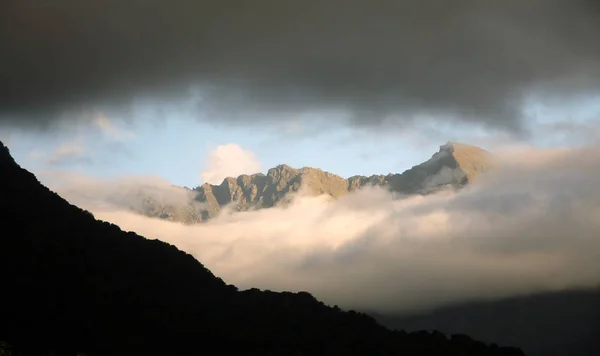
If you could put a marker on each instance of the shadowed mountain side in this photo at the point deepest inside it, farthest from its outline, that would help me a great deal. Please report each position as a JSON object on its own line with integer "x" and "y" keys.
{"x": 72, "y": 283}
{"x": 551, "y": 324}
{"x": 454, "y": 165}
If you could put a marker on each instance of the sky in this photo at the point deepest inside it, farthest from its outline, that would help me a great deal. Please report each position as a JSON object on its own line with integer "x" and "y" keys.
{"x": 352, "y": 88}
{"x": 183, "y": 149}
{"x": 97, "y": 95}
{"x": 179, "y": 150}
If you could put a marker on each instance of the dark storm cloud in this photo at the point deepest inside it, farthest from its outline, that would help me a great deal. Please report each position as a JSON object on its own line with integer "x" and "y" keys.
{"x": 470, "y": 58}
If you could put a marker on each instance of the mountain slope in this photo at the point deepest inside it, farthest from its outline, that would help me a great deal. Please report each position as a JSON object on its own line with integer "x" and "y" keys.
{"x": 454, "y": 165}
{"x": 72, "y": 283}
{"x": 548, "y": 324}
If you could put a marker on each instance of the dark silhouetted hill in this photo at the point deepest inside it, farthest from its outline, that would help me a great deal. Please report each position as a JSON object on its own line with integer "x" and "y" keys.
{"x": 72, "y": 283}
{"x": 563, "y": 323}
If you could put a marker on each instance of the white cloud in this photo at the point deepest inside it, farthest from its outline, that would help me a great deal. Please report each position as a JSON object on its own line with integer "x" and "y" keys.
{"x": 293, "y": 127}
{"x": 109, "y": 129}
{"x": 533, "y": 225}
{"x": 69, "y": 150}
{"x": 36, "y": 155}
{"x": 81, "y": 144}
{"x": 117, "y": 193}
{"x": 73, "y": 151}
{"x": 228, "y": 160}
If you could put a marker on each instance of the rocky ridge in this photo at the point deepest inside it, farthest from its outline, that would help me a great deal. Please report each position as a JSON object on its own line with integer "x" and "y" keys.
{"x": 453, "y": 166}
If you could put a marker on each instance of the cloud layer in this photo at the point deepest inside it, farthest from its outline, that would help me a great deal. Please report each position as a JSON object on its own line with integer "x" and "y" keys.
{"x": 531, "y": 226}
{"x": 478, "y": 60}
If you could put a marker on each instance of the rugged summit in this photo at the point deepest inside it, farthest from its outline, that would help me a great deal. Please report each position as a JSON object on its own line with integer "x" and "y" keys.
{"x": 454, "y": 165}
{"x": 264, "y": 191}
{"x": 71, "y": 283}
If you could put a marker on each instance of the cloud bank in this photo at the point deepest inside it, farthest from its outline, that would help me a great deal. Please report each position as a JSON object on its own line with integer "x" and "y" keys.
{"x": 128, "y": 192}
{"x": 475, "y": 61}
{"x": 531, "y": 226}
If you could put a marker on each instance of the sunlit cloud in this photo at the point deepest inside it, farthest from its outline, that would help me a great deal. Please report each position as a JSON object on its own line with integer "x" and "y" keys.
{"x": 531, "y": 225}
{"x": 228, "y": 160}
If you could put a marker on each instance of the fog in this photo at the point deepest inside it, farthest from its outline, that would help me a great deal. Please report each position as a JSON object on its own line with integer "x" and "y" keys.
{"x": 530, "y": 225}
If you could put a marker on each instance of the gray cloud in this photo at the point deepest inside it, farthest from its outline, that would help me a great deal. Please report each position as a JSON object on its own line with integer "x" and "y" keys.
{"x": 379, "y": 60}
{"x": 531, "y": 226}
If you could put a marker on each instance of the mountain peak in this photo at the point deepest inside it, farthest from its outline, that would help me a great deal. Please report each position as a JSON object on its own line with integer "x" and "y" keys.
{"x": 281, "y": 169}
{"x": 6, "y": 159}
{"x": 448, "y": 147}
{"x": 470, "y": 159}
{"x": 284, "y": 167}
{"x": 454, "y": 165}
{"x": 454, "y": 146}
{"x": 4, "y": 152}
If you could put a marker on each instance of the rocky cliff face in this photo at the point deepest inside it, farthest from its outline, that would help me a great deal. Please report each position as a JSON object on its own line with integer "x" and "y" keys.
{"x": 454, "y": 165}
{"x": 264, "y": 191}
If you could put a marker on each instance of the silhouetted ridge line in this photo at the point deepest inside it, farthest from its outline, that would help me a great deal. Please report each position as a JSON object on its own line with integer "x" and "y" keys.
{"x": 72, "y": 283}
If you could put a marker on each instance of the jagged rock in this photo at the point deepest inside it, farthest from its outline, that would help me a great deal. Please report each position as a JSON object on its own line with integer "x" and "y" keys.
{"x": 454, "y": 165}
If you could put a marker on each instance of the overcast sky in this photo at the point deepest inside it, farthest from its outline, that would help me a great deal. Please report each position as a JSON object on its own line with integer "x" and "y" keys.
{"x": 354, "y": 87}
{"x": 364, "y": 62}
{"x": 187, "y": 151}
